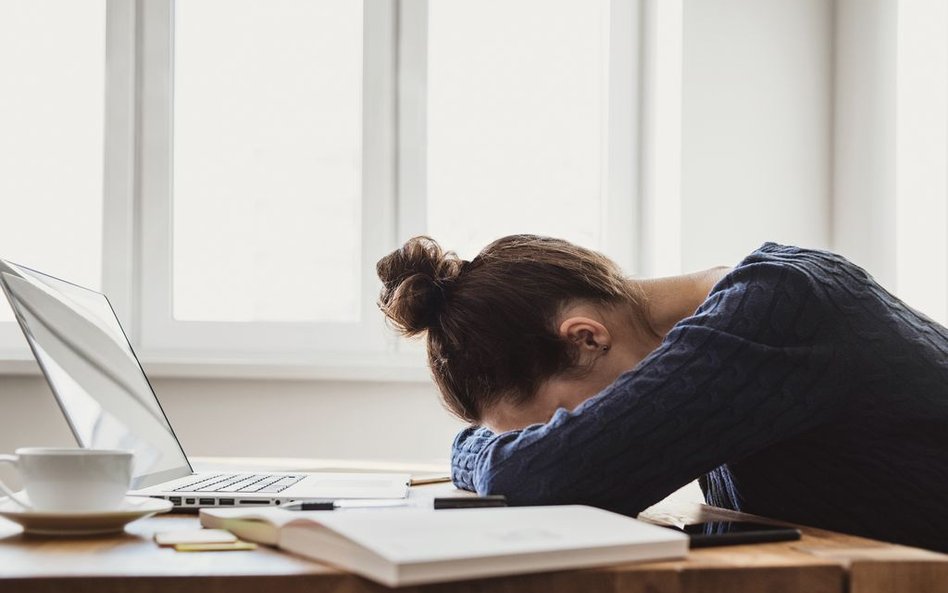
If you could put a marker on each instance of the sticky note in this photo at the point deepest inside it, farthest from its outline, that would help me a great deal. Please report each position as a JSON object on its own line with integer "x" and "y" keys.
{"x": 223, "y": 547}
{"x": 195, "y": 536}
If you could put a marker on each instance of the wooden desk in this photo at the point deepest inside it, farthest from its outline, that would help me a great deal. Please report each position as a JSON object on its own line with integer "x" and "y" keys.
{"x": 822, "y": 562}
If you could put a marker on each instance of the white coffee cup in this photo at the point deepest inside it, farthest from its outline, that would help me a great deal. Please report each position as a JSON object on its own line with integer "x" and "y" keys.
{"x": 70, "y": 480}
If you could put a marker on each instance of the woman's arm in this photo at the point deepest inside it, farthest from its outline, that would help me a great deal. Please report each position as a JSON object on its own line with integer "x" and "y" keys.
{"x": 467, "y": 445}
{"x": 756, "y": 364}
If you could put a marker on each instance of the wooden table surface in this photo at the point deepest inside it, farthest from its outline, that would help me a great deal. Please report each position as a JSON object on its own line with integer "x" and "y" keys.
{"x": 130, "y": 562}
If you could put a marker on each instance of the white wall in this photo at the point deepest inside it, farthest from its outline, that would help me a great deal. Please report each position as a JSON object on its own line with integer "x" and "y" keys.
{"x": 865, "y": 135}
{"x": 757, "y": 117}
{"x": 890, "y": 194}
{"x": 346, "y": 420}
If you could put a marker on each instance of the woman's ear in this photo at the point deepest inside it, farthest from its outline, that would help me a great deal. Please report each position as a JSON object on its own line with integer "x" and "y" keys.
{"x": 589, "y": 335}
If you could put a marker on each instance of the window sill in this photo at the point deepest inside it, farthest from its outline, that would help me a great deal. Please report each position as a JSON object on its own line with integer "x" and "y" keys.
{"x": 400, "y": 368}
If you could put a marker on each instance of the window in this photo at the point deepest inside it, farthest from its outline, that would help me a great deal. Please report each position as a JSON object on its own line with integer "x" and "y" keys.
{"x": 267, "y": 160}
{"x": 51, "y": 147}
{"x": 260, "y": 157}
{"x": 517, "y": 99}
{"x": 260, "y": 154}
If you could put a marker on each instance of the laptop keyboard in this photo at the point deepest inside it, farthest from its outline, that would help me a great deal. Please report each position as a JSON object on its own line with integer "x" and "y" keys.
{"x": 260, "y": 483}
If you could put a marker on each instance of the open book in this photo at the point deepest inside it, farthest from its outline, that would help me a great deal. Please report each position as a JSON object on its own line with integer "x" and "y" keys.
{"x": 414, "y": 546}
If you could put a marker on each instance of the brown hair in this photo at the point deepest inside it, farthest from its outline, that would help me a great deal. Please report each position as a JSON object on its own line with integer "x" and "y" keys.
{"x": 491, "y": 321}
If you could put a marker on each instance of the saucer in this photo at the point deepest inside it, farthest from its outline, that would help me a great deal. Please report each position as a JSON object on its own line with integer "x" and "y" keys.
{"x": 83, "y": 522}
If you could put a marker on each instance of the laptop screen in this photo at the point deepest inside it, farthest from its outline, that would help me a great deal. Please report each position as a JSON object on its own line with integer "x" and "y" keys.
{"x": 91, "y": 368}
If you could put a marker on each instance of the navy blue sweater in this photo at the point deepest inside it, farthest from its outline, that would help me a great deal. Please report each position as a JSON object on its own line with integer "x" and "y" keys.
{"x": 800, "y": 390}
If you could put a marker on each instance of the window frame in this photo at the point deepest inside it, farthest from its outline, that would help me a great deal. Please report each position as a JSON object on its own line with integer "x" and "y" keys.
{"x": 15, "y": 355}
{"x": 137, "y": 254}
{"x": 162, "y": 334}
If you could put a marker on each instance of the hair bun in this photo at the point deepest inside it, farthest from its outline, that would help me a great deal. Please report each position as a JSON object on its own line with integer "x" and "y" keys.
{"x": 415, "y": 278}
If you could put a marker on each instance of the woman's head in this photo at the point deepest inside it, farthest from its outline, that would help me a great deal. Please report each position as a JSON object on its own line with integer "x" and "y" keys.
{"x": 494, "y": 325}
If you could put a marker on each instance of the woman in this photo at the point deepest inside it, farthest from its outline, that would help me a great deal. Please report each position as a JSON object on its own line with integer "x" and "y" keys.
{"x": 793, "y": 386}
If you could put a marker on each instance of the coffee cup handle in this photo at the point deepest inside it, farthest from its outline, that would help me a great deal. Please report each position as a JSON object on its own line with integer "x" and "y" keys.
{"x": 12, "y": 459}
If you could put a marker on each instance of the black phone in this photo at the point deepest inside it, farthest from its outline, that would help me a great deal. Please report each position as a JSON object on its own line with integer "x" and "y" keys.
{"x": 731, "y": 533}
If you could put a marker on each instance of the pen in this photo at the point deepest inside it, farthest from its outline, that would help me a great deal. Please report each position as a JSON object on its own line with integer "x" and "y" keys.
{"x": 442, "y": 503}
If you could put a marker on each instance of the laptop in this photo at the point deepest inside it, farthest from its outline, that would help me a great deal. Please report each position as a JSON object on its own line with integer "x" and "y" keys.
{"x": 109, "y": 403}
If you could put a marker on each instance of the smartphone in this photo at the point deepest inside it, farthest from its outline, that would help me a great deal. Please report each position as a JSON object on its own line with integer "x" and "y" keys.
{"x": 731, "y": 533}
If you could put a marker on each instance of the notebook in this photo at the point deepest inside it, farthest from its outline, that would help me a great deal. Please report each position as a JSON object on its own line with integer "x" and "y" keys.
{"x": 414, "y": 546}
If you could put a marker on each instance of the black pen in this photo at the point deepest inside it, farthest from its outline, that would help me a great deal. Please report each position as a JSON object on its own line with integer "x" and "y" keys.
{"x": 442, "y": 503}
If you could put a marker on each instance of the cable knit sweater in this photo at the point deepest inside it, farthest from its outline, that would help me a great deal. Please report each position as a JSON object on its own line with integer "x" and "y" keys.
{"x": 800, "y": 390}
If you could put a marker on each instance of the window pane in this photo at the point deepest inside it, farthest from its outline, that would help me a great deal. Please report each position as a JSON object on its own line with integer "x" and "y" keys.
{"x": 515, "y": 110}
{"x": 52, "y": 68}
{"x": 267, "y": 160}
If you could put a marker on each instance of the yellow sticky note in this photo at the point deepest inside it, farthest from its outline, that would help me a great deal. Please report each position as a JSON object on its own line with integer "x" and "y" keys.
{"x": 224, "y": 547}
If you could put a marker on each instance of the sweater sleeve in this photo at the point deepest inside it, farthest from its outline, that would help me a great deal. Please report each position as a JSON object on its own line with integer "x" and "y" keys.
{"x": 467, "y": 444}
{"x": 756, "y": 364}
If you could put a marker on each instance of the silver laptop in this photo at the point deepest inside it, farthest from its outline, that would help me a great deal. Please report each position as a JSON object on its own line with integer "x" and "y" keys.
{"x": 109, "y": 404}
